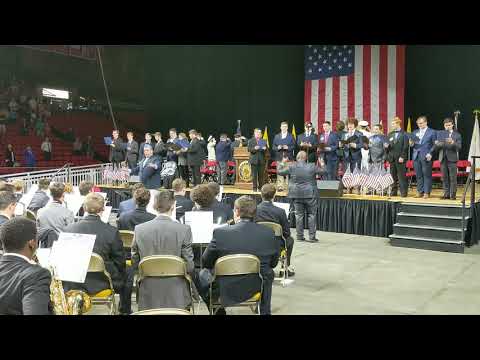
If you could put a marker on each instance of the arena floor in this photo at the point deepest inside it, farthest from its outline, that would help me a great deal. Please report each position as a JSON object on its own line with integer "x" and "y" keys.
{"x": 351, "y": 274}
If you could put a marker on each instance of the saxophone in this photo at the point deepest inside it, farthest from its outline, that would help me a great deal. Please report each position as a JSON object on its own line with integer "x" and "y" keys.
{"x": 74, "y": 302}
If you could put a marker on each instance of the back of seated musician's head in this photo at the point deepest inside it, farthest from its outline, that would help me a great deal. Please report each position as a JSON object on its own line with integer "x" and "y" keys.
{"x": 179, "y": 186}
{"x": 137, "y": 186}
{"x": 85, "y": 187}
{"x": 4, "y": 186}
{"x": 302, "y": 156}
{"x": 164, "y": 202}
{"x": 57, "y": 190}
{"x": 19, "y": 185}
{"x": 202, "y": 196}
{"x": 94, "y": 203}
{"x": 43, "y": 184}
{"x": 8, "y": 201}
{"x": 68, "y": 188}
{"x": 141, "y": 197}
{"x": 245, "y": 207}
{"x": 268, "y": 192}
{"x": 214, "y": 188}
{"x": 19, "y": 235}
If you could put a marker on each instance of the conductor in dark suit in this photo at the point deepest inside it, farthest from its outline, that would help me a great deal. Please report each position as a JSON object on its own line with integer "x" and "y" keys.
{"x": 148, "y": 169}
{"x": 195, "y": 156}
{"x": 266, "y": 211}
{"x": 307, "y": 141}
{"x": 117, "y": 154}
{"x": 128, "y": 220}
{"x": 302, "y": 189}
{"x": 24, "y": 285}
{"x": 396, "y": 147}
{"x": 245, "y": 237}
{"x": 131, "y": 151}
{"x": 148, "y": 141}
{"x": 257, "y": 148}
{"x": 107, "y": 244}
{"x": 448, "y": 144}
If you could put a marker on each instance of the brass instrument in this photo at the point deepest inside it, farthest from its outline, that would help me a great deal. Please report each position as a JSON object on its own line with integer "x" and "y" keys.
{"x": 74, "y": 302}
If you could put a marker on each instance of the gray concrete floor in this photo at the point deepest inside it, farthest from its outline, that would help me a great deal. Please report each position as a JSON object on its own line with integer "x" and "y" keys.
{"x": 347, "y": 274}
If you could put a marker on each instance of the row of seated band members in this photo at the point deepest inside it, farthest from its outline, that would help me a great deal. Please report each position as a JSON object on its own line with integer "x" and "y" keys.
{"x": 25, "y": 286}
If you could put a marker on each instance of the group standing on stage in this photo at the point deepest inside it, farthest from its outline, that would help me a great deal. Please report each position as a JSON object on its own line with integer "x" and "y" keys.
{"x": 349, "y": 147}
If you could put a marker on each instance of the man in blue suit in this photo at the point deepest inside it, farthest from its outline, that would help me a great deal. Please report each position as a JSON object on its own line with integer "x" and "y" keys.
{"x": 423, "y": 143}
{"x": 330, "y": 139}
{"x": 149, "y": 169}
{"x": 307, "y": 142}
{"x": 352, "y": 150}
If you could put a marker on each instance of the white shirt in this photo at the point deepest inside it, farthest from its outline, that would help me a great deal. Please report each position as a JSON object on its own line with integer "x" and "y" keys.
{"x": 22, "y": 257}
{"x": 46, "y": 146}
{"x": 284, "y": 135}
{"x": 421, "y": 133}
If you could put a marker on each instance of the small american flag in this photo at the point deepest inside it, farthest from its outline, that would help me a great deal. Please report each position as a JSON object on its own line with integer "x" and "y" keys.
{"x": 362, "y": 81}
{"x": 347, "y": 178}
{"x": 356, "y": 177}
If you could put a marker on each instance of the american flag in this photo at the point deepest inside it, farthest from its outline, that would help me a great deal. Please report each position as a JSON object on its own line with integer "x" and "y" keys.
{"x": 362, "y": 81}
{"x": 356, "y": 177}
{"x": 347, "y": 178}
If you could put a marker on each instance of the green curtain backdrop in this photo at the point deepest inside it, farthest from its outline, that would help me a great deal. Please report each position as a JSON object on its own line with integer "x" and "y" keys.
{"x": 209, "y": 88}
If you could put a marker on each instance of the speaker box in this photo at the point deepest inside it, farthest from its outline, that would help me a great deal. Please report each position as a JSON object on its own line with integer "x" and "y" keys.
{"x": 329, "y": 188}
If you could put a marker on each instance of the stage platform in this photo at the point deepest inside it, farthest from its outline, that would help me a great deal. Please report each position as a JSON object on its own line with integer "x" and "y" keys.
{"x": 368, "y": 215}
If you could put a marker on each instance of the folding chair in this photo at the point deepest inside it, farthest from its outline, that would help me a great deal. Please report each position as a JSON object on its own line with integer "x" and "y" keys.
{"x": 233, "y": 265}
{"x": 163, "y": 312}
{"x": 277, "y": 229}
{"x": 164, "y": 266}
{"x": 127, "y": 240}
{"x": 106, "y": 296}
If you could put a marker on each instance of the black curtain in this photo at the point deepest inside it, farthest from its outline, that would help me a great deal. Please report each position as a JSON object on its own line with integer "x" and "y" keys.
{"x": 475, "y": 227}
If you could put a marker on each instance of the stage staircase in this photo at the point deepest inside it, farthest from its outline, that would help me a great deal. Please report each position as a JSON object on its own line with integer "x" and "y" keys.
{"x": 431, "y": 227}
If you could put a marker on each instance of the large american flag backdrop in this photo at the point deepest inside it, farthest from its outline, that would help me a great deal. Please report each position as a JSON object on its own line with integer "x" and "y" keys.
{"x": 362, "y": 81}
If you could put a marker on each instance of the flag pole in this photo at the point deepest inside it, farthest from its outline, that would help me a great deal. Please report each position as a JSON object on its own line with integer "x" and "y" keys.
{"x": 456, "y": 113}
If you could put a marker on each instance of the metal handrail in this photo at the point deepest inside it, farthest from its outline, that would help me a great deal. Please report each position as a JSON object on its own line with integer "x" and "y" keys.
{"x": 470, "y": 182}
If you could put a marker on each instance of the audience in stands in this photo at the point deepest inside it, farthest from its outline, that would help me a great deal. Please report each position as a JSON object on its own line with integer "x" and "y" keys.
{"x": 30, "y": 158}
{"x": 183, "y": 203}
{"x": 203, "y": 198}
{"x": 24, "y": 286}
{"x": 163, "y": 236}
{"x": 47, "y": 149}
{"x": 129, "y": 205}
{"x": 8, "y": 201}
{"x": 77, "y": 146}
{"x": 88, "y": 147}
{"x": 129, "y": 219}
{"x": 267, "y": 211}
{"x": 55, "y": 215}
{"x": 245, "y": 237}
{"x": 70, "y": 135}
{"x": 225, "y": 208}
{"x": 10, "y": 158}
{"x": 40, "y": 198}
{"x": 107, "y": 244}
{"x": 3, "y": 124}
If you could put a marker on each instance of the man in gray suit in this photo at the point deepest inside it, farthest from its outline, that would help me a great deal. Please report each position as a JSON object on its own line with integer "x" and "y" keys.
{"x": 132, "y": 151}
{"x": 448, "y": 144}
{"x": 55, "y": 216}
{"x": 302, "y": 188}
{"x": 163, "y": 236}
{"x": 376, "y": 145}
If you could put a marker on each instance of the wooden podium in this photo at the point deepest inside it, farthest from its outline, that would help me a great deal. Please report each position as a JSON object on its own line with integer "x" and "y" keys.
{"x": 243, "y": 173}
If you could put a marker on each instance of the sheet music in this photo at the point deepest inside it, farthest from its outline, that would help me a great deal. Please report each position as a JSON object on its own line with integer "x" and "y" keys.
{"x": 284, "y": 206}
{"x": 201, "y": 223}
{"x": 150, "y": 209}
{"x": 103, "y": 194}
{"x": 26, "y": 199}
{"x": 106, "y": 214}
{"x": 70, "y": 256}
{"x": 220, "y": 194}
{"x": 74, "y": 202}
{"x": 43, "y": 256}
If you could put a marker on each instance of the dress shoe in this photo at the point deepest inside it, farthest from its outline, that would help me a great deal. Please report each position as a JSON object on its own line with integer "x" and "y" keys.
{"x": 453, "y": 198}
{"x": 419, "y": 195}
{"x": 426, "y": 196}
{"x": 445, "y": 197}
{"x": 290, "y": 273}
{"x": 301, "y": 239}
{"x": 314, "y": 240}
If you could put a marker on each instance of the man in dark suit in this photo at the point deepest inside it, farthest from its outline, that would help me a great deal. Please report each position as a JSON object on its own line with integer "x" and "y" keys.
{"x": 195, "y": 157}
{"x": 257, "y": 148}
{"x": 148, "y": 141}
{"x": 223, "y": 154}
{"x": 302, "y": 188}
{"x": 132, "y": 151}
{"x": 306, "y": 141}
{"x": 148, "y": 169}
{"x": 163, "y": 236}
{"x": 396, "y": 146}
{"x": 215, "y": 189}
{"x": 107, "y": 244}
{"x": 352, "y": 150}
{"x": 159, "y": 150}
{"x": 40, "y": 198}
{"x": 24, "y": 285}
{"x": 117, "y": 154}
{"x": 423, "y": 143}
{"x": 245, "y": 237}
{"x": 129, "y": 205}
{"x": 448, "y": 144}
{"x": 330, "y": 158}
{"x": 8, "y": 202}
{"x": 128, "y": 220}
{"x": 183, "y": 203}
{"x": 283, "y": 144}
{"x": 266, "y": 211}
